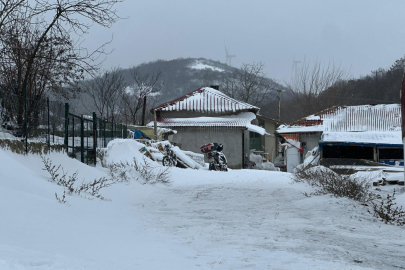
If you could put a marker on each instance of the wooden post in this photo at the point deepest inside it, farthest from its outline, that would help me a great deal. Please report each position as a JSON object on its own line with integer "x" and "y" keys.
{"x": 155, "y": 124}
{"x": 143, "y": 111}
{"x": 279, "y": 101}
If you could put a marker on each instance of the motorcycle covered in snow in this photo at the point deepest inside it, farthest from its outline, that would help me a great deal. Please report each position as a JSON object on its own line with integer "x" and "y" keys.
{"x": 216, "y": 159}
{"x": 170, "y": 158}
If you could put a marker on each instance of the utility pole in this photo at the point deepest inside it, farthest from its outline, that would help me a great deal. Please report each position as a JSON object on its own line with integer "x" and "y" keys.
{"x": 155, "y": 125}
{"x": 279, "y": 102}
{"x": 143, "y": 111}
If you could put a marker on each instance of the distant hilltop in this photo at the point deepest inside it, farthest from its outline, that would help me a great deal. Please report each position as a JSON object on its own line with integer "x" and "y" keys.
{"x": 183, "y": 75}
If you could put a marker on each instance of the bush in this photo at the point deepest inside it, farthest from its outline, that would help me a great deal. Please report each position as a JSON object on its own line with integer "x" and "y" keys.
{"x": 151, "y": 174}
{"x": 59, "y": 178}
{"x": 145, "y": 172}
{"x": 18, "y": 146}
{"x": 388, "y": 212}
{"x": 330, "y": 182}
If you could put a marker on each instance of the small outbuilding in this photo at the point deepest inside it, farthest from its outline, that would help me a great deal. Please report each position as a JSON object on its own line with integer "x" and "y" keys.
{"x": 208, "y": 115}
{"x": 342, "y": 133}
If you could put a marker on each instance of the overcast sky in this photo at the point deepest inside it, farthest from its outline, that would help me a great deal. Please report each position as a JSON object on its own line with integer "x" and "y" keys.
{"x": 360, "y": 35}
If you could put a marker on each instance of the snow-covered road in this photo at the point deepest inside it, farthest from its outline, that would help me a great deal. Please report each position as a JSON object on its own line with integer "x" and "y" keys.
{"x": 259, "y": 220}
{"x": 241, "y": 219}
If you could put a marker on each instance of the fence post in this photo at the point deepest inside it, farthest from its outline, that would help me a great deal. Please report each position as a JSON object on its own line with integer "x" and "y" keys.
{"x": 95, "y": 138}
{"x": 73, "y": 138}
{"x": 67, "y": 127}
{"x": 49, "y": 130}
{"x": 81, "y": 139}
{"x": 26, "y": 117}
{"x": 125, "y": 131}
{"x": 112, "y": 129}
{"x": 104, "y": 128}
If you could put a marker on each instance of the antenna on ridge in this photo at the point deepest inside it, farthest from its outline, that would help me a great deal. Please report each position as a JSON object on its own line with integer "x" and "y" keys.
{"x": 228, "y": 57}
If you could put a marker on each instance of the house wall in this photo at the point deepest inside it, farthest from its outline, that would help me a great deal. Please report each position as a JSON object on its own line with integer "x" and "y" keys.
{"x": 191, "y": 139}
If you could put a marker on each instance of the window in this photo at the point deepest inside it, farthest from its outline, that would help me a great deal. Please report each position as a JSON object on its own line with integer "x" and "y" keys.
{"x": 348, "y": 151}
{"x": 391, "y": 153}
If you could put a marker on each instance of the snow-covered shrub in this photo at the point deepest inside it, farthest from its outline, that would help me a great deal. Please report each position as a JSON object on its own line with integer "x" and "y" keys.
{"x": 388, "y": 212}
{"x": 118, "y": 171}
{"x": 18, "y": 146}
{"x": 100, "y": 154}
{"x": 61, "y": 199}
{"x": 93, "y": 188}
{"x": 59, "y": 178}
{"x": 151, "y": 174}
{"x": 145, "y": 171}
{"x": 330, "y": 182}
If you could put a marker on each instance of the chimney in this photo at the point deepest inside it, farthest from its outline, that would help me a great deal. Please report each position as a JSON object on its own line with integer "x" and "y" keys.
{"x": 216, "y": 87}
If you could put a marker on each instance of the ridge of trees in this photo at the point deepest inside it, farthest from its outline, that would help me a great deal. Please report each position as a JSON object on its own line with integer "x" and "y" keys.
{"x": 381, "y": 86}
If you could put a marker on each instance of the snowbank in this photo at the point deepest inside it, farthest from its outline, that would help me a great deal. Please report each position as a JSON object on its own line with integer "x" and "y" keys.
{"x": 124, "y": 150}
{"x": 259, "y": 164}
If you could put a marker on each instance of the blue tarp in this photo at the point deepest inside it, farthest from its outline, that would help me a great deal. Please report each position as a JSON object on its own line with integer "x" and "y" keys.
{"x": 138, "y": 134}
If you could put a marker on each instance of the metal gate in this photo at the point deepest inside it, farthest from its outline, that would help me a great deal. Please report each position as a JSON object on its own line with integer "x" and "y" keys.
{"x": 83, "y": 134}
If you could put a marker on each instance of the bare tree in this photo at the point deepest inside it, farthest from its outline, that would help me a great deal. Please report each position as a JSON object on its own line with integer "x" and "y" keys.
{"x": 106, "y": 91}
{"x": 38, "y": 48}
{"x": 248, "y": 84}
{"x": 310, "y": 81}
{"x": 146, "y": 86}
{"x": 8, "y": 8}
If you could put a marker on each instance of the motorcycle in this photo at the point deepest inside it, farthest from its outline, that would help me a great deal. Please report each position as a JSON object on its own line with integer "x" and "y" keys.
{"x": 170, "y": 159}
{"x": 216, "y": 159}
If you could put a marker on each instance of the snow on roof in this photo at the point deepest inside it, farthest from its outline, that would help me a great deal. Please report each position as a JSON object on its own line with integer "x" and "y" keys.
{"x": 207, "y": 100}
{"x": 372, "y": 137}
{"x": 243, "y": 119}
{"x": 382, "y": 117}
{"x": 199, "y": 65}
{"x": 299, "y": 129}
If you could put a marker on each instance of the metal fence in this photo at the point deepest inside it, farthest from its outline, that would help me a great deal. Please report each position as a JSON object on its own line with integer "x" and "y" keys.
{"x": 50, "y": 122}
{"x": 42, "y": 122}
{"x": 84, "y": 133}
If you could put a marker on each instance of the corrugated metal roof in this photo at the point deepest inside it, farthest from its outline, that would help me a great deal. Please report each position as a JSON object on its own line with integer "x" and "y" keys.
{"x": 242, "y": 120}
{"x": 382, "y": 117}
{"x": 207, "y": 100}
{"x": 192, "y": 122}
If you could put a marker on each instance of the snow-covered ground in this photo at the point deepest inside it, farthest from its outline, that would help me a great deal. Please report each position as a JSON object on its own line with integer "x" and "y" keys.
{"x": 200, "y": 65}
{"x": 241, "y": 219}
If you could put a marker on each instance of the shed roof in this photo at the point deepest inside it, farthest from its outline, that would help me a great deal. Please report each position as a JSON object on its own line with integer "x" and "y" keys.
{"x": 207, "y": 100}
{"x": 378, "y": 118}
{"x": 243, "y": 120}
{"x": 373, "y": 137}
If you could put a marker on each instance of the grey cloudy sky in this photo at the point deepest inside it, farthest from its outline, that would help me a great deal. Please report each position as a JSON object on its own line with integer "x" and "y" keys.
{"x": 361, "y": 35}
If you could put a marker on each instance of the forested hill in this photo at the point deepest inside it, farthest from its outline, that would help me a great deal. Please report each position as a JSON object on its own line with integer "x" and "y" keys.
{"x": 183, "y": 75}
{"x": 381, "y": 86}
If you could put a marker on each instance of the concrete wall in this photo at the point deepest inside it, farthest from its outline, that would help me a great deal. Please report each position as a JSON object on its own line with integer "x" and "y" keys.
{"x": 269, "y": 142}
{"x": 191, "y": 139}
